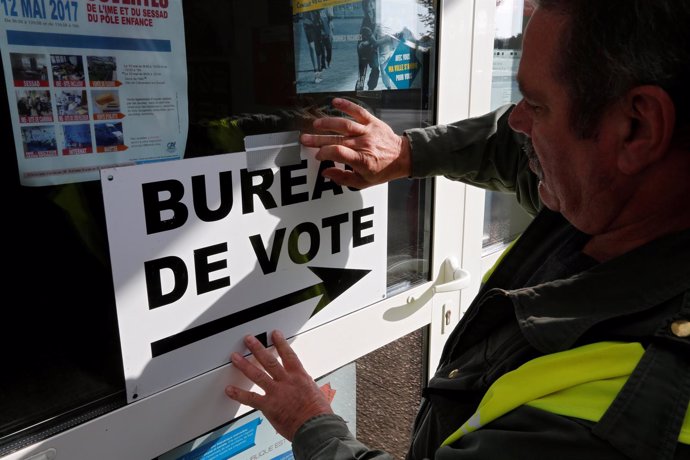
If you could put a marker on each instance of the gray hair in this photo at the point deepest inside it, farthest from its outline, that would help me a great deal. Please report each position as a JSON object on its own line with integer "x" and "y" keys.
{"x": 612, "y": 46}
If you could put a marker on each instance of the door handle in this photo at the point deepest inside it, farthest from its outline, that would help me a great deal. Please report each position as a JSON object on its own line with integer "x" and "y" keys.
{"x": 454, "y": 277}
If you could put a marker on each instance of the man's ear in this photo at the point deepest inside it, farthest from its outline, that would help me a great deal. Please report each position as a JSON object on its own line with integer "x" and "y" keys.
{"x": 651, "y": 119}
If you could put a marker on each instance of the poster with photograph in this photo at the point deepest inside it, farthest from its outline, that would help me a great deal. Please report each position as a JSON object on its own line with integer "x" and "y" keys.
{"x": 93, "y": 85}
{"x": 360, "y": 45}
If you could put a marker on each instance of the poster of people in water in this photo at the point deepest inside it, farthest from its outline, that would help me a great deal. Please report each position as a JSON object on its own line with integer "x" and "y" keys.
{"x": 361, "y": 45}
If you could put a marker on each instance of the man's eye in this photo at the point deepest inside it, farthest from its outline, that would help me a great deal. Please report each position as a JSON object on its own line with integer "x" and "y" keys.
{"x": 533, "y": 107}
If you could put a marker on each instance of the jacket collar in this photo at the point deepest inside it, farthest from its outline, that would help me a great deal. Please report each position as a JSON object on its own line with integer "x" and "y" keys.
{"x": 554, "y": 315}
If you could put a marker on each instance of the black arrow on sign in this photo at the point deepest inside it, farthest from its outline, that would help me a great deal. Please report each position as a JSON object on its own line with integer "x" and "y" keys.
{"x": 335, "y": 282}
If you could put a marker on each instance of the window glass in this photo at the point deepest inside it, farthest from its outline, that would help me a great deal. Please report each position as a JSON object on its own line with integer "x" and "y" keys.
{"x": 504, "y": 219}
{"x": 246, "y": 76}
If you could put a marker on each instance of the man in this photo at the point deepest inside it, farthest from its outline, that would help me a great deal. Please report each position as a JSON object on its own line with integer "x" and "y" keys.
{"x": 578, "y": 345}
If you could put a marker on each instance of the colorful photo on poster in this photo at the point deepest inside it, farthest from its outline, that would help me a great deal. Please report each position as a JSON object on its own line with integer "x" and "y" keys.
{"x": 68, "y": 70}
{"x": 29, "y": 70}
{"x": 39, "y": 141}
{"x": 102, "y": 70}
{"x": 109, "y": 137}
{"x": 77, "y": 139}
{"x": 72, "y": 105}
{"x": 360, "y": 45}
{"x": 105, "y": 102}
{"x": 34, "y": 106}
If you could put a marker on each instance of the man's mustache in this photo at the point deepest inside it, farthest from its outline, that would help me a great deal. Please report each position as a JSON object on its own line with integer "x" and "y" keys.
{"x": 535, "y": 165}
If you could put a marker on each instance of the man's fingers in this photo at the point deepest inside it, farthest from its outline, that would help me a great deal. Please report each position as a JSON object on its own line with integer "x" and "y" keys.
{"x": 248, "y": 398}
{"x": 359, "y": 113}
{"x": 253, "y": 373}
{"x": 267, "y": 359}
{"x": 341, "y": 126}
{"x": 287, "y": 354}
{"x": 345, "y": 178}
{"x": 320, "y": 140}
{"x": 340, "y": 154}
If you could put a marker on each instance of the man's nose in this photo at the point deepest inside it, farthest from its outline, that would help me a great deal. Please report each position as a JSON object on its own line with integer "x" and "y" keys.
{"x": 519, "y": 118}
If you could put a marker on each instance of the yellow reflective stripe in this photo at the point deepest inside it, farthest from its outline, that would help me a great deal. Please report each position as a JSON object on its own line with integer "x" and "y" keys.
{"x": 549, "y": 374}
{"x": 589, "y": 401}
{"x": 581, "y": 383}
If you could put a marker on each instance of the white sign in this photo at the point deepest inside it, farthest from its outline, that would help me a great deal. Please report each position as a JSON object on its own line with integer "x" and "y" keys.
{"x": 205, "y": 251}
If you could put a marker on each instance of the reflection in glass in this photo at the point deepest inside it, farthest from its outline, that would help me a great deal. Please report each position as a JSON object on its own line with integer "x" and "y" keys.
{"x": 504, "y": 219}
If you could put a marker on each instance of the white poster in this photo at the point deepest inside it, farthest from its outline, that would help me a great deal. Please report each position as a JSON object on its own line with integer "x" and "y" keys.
{"x": 207, "y": 250}
{"x": 93, "y": 84}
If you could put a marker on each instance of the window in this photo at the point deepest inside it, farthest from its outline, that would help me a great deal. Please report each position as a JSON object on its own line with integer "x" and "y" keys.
{"x": 504, "y": 219}
{"x": 245, "y": 76}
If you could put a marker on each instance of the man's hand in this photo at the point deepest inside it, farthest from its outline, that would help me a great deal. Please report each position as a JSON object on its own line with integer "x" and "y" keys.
{"x": 368, "y": 145}
{"x": 291, "y": 396}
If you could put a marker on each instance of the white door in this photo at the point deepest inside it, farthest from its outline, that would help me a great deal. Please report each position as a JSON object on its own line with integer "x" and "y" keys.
{"x": 489, "y": 220}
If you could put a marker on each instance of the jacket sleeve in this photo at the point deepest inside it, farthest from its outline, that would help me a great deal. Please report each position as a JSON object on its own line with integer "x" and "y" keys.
{"x": 482, "y": 151}
{"x": 326, "y": 437}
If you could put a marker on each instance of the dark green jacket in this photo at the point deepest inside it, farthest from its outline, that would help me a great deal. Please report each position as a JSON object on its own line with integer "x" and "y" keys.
{"x": 633, "y": 298}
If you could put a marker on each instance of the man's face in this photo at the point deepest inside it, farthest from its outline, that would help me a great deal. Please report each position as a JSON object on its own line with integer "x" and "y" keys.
{"x": 575, "y": 174}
